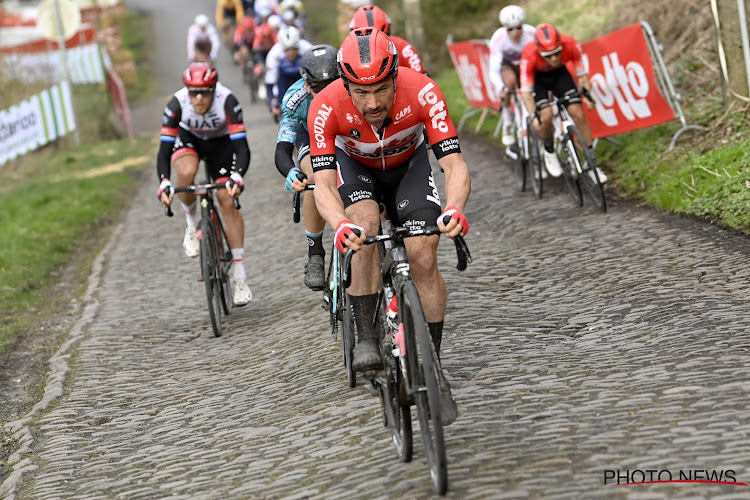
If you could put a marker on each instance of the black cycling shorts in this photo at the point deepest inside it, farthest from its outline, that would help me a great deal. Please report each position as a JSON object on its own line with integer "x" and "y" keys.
{"x": 558, "y": 81}
{"x": 218, "y": 153}
{"x": 408, "y": 192}
{"x": 302, "y": 143}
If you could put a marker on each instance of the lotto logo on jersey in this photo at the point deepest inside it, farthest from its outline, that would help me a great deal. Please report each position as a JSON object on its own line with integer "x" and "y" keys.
{"x": 438, "y": 113}
{"x": 319, "y": 124}
{"x": 413, "y": 58}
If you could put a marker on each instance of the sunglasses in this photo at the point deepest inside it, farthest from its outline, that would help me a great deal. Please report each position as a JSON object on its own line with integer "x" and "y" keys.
{"x": 551, "y": 53}
{"x": 200, "y": 91}
{"x": 519, "y": 28}
{"x": 317, "y": 87}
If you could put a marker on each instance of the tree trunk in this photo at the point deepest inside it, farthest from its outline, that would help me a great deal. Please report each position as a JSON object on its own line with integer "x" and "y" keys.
{"x": 731, "y": 39}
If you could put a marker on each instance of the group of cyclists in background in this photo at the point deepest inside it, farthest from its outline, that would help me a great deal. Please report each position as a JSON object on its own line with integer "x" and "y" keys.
{"x": 345, "y": 128}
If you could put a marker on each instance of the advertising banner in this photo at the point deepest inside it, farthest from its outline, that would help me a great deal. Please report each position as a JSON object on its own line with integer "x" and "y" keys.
{"x": 36, "y": 121}
{"x": 471, "y": 60}
{"x": 623, "y": 84}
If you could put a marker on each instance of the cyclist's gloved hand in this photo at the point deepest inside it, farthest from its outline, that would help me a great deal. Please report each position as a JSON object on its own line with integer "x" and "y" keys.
{"x": 165, "y": 188}
{"x": 235, "y": 179}
{"x": 294, "y": 180}
{"x": 344, "y": 229}
{"x": 455, "y": 215}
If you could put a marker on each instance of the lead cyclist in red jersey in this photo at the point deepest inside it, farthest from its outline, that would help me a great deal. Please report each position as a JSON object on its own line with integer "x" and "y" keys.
{"x": 543, "y": 69}
{"x": 367, "y": 146}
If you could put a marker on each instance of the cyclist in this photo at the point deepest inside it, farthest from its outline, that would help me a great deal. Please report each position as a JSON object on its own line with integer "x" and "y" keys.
{"x": 200, "y": 31}
{"x": 506, "y": 46}
{"x": 265, "y": 37}
{"x": 282, "y": 65}
{"x": 244, "y": 34}
{"x": 318, "y": 69}
{"x": 203, "y": 120}
{"x": 228, "y": 14}
{"x": 370, "y": 15}
{"x": 367, "y": 146}
{"x": 543, "y": 70}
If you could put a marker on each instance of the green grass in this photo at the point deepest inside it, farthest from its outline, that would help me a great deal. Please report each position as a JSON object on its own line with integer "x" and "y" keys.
{"x": 60, "y": 202}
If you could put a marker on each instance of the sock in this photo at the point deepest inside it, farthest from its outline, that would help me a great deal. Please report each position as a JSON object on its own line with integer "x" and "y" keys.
{"x": 436, "y": 332}
{"x": 507, "y": 117}
{"x": 190, "y": 212}
{"x": 315, "y": 244}
{"x": 238, "y": 257}
{"x": 363, "y": 309}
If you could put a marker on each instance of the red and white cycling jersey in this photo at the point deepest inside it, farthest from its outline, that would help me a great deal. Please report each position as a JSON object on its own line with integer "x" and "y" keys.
{"x": 333, "y": 121}
{"x": 407, "y": 56}
{"x": 532, "y": 61}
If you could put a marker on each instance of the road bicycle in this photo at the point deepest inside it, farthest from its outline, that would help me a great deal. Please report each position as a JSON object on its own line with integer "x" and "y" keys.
{"x": 411, "y": 368}
{"x": 252, "y": 81}
{"x": 577, "y": 160}
{"x": 215, "y": 254}
{"x": 525, "y": 154}
{"x": 335, "y": 299}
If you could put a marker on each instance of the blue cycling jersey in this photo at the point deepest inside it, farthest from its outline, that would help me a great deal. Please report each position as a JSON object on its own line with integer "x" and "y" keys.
{"x": 294, "y": 108}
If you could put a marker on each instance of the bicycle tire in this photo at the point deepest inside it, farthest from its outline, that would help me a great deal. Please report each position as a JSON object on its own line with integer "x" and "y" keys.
{"x": 519, "y": 167}
{"x": 225, "y": 258}
{"x": 535, "y": 159}
{"x": 347, "y": 329}
{"x": 397, "y": 416}
{"x": 422, "y": 366}
{"x": 209, "y": 267}
{"x": 571, "y": 170}
{"x": 589, "y": 177}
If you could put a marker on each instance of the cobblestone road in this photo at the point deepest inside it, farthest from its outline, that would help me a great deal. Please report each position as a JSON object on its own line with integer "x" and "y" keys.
{"x": 577, "y": 342}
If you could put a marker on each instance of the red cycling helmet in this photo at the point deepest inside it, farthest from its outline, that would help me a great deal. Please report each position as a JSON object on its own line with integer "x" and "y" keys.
{"x": 367, "y": 56}
{"x": 371, "y": 16}
{"x": 200, "y": 75}
{"x": 547, "y": 40}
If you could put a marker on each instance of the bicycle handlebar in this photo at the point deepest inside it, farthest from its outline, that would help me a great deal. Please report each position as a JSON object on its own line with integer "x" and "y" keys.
{"x": 296, "y": 213}
{"x": 199, "y": 189}
{"x": 462, "y": 250}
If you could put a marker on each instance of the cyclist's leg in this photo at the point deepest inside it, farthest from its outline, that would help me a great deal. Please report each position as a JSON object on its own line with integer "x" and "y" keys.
{"x": 361, "y": 207}
{"x": 219, "y": 156}
{"x": 185, "y": 159}
{"x": 509, "y": 75}
{"x": 314, "y": 223}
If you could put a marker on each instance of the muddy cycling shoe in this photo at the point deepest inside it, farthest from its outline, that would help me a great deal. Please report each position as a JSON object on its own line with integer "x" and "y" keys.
{"x": 508, "y": 138}
{"x": 190, "y": 243}
{"x": 448, "y": 407}
{"x": 315, "y": 275}
{"x": 366, "y": 356}
{"x": 241, "y": 292}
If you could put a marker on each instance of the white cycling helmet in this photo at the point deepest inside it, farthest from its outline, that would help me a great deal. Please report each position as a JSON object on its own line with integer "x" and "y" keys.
{"x": 512, "y": 16}
{"x": 289, "y": 37}
{"x": 201, "y": 20}
{"x": 274, "y": 21}
{"x": 289, "y": 15}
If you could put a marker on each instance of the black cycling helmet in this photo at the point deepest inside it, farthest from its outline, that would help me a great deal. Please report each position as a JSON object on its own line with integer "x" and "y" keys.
{"x": 318, "y": 64}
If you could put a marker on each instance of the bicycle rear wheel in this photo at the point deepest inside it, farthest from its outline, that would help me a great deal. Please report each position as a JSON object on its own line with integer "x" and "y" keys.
{"x": 571, "y": 169}
{"x": 422, "y": 368}
{"x": 589, "y": 176}
{"x": 210, "y": 269}
{"x": 535, "y": 159}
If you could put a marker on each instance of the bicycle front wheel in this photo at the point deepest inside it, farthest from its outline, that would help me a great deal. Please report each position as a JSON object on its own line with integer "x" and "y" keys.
{"x": 422, "y": 368}
{"x": 535, "y": 159}
{"x": 571, "y": 171}
{"x": 225, "y": 259}
{"x": 210, "y": 270}
{"x": 347, "y": 326}
{"x": 589, "y": 174}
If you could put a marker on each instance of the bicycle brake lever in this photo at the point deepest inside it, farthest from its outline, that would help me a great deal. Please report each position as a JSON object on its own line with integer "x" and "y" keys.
{"x": 462, "y": 252}
{"x": 237, "y": 203}
{"x": 168, "y": 211}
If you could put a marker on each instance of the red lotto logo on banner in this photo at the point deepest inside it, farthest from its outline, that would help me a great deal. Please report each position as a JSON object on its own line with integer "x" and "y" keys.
{"x": 471, "y": 59}
{"x": 623, "y": 83}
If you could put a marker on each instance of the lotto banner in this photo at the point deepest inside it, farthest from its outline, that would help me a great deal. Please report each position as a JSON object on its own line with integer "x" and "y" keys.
{"x": 623, "y": 84}
{"x": 471, "y": 59}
